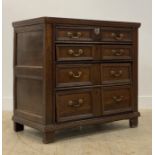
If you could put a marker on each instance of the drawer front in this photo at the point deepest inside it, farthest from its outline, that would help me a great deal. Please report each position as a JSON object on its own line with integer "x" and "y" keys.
{"x": 116, "y": 52}
{"x": 116, "y": 99}
{"x": 76, "y": 75}
{"x": 78, "y": 104}
{"x": 74, "y": 34}
{"x": 117, "y": 35}
{"x": 75, "y": 52}
{"x": 115, "y": 73}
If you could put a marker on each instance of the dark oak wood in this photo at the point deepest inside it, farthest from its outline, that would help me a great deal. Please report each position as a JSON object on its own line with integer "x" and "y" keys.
{"x": 133, "y": 122}
{"x": 78, "y": 104}
{"x": 73, "y": 72}
{"x": 18, "y": 127}
{"x": 31, "y": 54}
{"x": 116, "y": 99}
{"x": 75, "y": 33}
{"x": 73, "y": 52}
{"x": 77, "y": 74}
{"x": 116, "y": 73}
{"x": 116, "y": 34}
{"x": 116, "y": 52}
{"x": 48, "y": 137}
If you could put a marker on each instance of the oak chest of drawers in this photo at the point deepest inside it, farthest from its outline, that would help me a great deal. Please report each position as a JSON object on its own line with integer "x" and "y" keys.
{"x": 72, "y": 72}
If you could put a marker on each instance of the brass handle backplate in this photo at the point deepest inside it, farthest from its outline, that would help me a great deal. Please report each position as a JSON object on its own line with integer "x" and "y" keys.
{"x": 75, "y": 104}
{"x": 117, "y": 36}
{"x": 76, "y": 54}
{"x": 75, "y": 75}
{"x": 117, "y": 98}
{"x": 119, "y": 52}
{"x": 116, "y": 73}
{"x": 72, "y": 35}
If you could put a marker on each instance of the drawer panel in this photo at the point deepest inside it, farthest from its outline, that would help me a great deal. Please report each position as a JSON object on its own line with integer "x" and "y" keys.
{"x": 117, "y": 35}
{"x": 74, "y": 33}
{"x": 77, "y": 75}
{"x": 115, "y": 73}
{"x": 78, "y": 104}
{"x": 76, "y": 52}
{"x": 116, "y": 52}
{"x": 116, "y": 99}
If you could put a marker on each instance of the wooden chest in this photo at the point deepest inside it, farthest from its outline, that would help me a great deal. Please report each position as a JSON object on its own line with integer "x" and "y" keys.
{"x": 72, "y": 72}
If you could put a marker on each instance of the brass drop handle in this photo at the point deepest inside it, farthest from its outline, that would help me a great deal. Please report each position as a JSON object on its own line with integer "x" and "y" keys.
{"x": 117, "y": 98}
{"x": 76, "y": 54}
{"x": 69, "y": 34}
{"x": 116, "y": 73}
{"x": 71, "y": 103}
{"x": 78, "y": 75}
{"x": 118, "y": 52}
{"x": 116, "y": 36}
{"x": 77, "y": 35}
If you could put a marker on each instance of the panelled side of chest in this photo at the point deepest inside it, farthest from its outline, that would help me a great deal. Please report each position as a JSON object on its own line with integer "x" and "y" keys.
{"x": 32, "y": 60}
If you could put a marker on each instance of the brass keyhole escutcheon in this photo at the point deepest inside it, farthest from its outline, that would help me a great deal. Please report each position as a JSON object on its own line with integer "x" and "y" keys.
{"x": 97, "y": 31}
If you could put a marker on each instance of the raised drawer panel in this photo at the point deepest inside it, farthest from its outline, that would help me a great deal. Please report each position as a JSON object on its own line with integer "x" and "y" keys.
{"x": 116, "y": 99}
{"x": 116, "y": 73}
{"x": 76, "y": 52}
{"x": 117, "y": 35}
{"x": 78, "y": 104}
{"x": 74, "y": 33}
{"x": 77, "y": 75}
{"x": 116, "y": 52}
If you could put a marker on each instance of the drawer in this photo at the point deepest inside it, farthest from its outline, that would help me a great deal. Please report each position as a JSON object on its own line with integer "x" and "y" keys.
{"x": 75, "y": 33}
{"x": 116, "y": 52}
{"x": 116, "y": 99}
{"x": 115, "y": 34}
{"x": 115, "y": 73}
{"x": 77, "y": 74}
{"x": 76, "y": 52}
{"x": 78, "y": 104}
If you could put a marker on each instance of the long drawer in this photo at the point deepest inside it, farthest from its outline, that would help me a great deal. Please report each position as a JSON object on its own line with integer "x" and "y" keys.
{"x": 68, "y": 75}
{"x": 84, "y": 33}
{"x": 86, "y": 103}
{"x": 76, "y": 52}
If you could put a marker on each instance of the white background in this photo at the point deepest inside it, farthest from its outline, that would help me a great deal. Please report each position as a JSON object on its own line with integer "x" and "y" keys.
{"x": 118, "y": 10}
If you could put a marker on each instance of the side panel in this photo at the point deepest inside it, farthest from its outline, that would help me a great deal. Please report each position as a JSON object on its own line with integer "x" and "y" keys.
{"x": 28, "y": 73}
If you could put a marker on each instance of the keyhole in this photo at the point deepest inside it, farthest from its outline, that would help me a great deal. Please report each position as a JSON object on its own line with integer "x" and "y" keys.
{"x": 97, "y": 31}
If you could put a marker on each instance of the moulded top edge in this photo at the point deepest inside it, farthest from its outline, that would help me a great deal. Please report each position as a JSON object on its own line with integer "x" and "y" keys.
{"x": 57, "y": 20}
